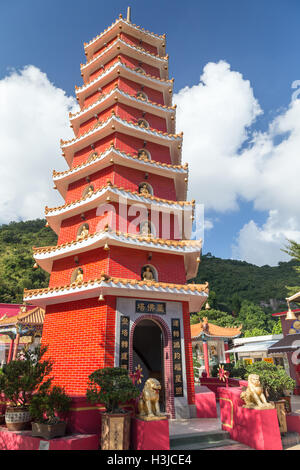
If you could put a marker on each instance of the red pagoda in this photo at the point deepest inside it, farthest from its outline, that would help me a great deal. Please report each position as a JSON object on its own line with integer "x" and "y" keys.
{"x": 118, "y": 293}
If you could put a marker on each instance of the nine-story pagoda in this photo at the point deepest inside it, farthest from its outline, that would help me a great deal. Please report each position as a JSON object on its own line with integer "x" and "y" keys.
{"x": 118, "y": 293}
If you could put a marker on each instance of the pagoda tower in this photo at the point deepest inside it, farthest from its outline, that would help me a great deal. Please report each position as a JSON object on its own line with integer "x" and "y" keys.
{"x": 118, "y": 294}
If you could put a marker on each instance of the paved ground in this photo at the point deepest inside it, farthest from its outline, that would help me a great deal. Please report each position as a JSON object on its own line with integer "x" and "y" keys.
{"x": 189, "y": 426}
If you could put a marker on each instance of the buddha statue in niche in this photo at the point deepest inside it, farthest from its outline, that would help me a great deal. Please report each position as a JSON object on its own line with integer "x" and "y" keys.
{"x": 144, "y": 191}
{"x": 148, "y": 274}
{"x": 145, "y": 229}
{"x": 90, "y": 190}
{"x": 79, "y": 276}
{"x": 143, "y": 154}
{"x": 83, "y": 232}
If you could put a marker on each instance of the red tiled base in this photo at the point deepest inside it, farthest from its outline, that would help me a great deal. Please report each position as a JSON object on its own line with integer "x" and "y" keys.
{"x": 150, "y": 435}
{"x": 293, "y": 422}
{"x": 258, "y": 429}
{"x": 205, "y": 401}
{"x": 23, "y": 440}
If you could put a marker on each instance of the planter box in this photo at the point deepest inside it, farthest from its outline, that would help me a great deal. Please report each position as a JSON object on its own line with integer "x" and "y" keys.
{"x": 49, "y": 431}
{"x": 115, "y": 432}
{"x": 17, "y": 419}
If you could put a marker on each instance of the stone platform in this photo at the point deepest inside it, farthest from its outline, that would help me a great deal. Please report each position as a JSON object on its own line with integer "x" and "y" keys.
{"x": 23, "y": 440}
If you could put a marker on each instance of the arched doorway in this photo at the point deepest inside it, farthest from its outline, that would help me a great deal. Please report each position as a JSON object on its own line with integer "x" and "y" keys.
{"x": 148, "y": 351}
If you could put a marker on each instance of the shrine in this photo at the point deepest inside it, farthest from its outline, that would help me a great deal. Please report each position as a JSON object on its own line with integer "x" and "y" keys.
{"x": 210, "y": 343}
{"x": 118, "y": 294}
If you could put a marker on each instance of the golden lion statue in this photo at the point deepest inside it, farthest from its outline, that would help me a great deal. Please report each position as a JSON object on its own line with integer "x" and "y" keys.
{"x": 253, "y": 395}
{"x": 149, "y": 401}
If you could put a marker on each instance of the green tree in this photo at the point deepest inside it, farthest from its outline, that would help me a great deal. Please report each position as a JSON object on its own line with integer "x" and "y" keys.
{"x": 255, "y": 332}
{"x": 277, "y": 328}
{"x": 217, "y": 317}
{"x": 293, "y": 249}
{"x": 252, "y": 316}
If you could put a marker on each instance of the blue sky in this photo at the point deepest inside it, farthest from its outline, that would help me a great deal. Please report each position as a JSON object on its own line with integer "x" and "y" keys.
{"x": 258, "y": 38}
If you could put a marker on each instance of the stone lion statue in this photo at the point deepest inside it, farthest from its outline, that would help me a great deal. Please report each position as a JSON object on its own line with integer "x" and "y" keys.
{"x": 149, "y": 401}
{"x": 253, "y": 395}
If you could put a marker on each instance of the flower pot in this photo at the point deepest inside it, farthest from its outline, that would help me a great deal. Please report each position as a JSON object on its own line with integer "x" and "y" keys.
{"x": 49, "y": 431}
{"x": 17, "y": 418}
{"x": 115, "y": 431}
{"x": 281, "y": 414}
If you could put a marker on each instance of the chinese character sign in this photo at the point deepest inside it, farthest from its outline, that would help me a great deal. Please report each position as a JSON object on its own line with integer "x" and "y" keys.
{"x": 142, "y": 306}
{"x": 177, "y": 358}
{"x": 124, "y": 343}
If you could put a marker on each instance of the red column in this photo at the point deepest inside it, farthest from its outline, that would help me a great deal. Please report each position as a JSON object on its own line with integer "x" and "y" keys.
{"x": 227, "y": 356}
{"x": 16, "y": 346}
{"x": 206, "y": 358}
{"x": 10, "y": 352}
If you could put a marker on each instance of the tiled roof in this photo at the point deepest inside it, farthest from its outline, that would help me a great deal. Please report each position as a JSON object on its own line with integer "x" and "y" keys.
{"x": 123, "y": 20}
{"x": 34, "y": 316}
{"x": 110, "y": 185}
{"x": 214, "y": 330}
{"x": 127, "y": 155}
{"x": 120, "y": 63}
{"x": 105, "y": 279}
{"x": 150, "y": 240}
{"x": 64, "y": 143}
{"x": 118, "y": 40}
{"x": 105, "y": 95}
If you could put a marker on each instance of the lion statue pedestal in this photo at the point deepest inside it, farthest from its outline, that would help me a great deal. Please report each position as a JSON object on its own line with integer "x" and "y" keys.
{"x": 148, "y": 405}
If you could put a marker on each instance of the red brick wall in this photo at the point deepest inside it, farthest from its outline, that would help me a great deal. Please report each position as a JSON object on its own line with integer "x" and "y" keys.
{"x": 130, "y": 40}
{"x": 129, "y": 144}
{"x": 125, "y": 177}
{"x": 93, "y": 263}
{"x": 80, "y": 337}
{"x": 118, "y": 262}
{"x": 127, "y": 113}
{"x": 132, "y": 88}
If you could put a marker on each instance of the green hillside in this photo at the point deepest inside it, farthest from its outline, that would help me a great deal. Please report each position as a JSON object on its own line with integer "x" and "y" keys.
{"x": 16, "y": 261}
{"x": 228, "y": 278}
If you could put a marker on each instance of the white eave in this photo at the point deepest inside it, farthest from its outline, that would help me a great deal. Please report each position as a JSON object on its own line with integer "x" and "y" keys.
{"x": 114, "y": 71}
{"x": 63, "y": 180}
{"x": 122, "y": 47}
{"x": 195, "y": 298}
{"x": 69, "y": 148}
{"x": 121, "y": 25}
{"x": 110, "y": 99}
{"x": 45, "y": 259}
{"x": 56, "y": 215}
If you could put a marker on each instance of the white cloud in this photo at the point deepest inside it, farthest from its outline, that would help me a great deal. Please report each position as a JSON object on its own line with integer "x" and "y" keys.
{"x": 33, "y": 118}
{"x": 229, "y": 161}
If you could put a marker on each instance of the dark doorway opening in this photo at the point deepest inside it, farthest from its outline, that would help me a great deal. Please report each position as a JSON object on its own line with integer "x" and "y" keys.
{"x": 148, "y": 351}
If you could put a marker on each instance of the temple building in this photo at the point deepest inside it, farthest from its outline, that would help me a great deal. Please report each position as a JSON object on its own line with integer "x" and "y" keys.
{"x": 20, "y": 327}
{"x": 210, "y": 344}
{"x": 118, "y": 294}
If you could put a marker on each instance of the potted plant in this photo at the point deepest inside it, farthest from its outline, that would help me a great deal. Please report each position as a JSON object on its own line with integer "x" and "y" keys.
{"x": 45, "y": 408}
{"x": 275, "y": 382}
{"x": 112, "y": 386}
{"x": 18, "y": 382}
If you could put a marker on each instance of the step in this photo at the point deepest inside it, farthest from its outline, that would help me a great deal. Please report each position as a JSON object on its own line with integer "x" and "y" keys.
{"x": 290, "y": 439}
{"x": 205, "y": 439}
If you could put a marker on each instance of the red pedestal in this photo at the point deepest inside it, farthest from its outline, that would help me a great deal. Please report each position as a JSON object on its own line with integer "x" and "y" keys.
{"x": 150, "y": 435}
{"x": 23, "y": 440}
{"x": 258, "y": 429}
{"x": 293, "y": 422}
{"x": 205, "y": 401}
